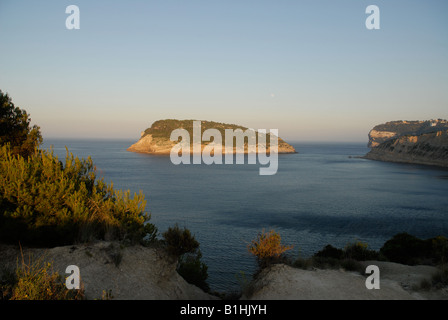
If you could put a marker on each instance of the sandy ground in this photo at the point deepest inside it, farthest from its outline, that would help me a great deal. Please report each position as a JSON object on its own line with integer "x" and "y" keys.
{"x": 397, "y": 282}
{"x": 142, "y": 274}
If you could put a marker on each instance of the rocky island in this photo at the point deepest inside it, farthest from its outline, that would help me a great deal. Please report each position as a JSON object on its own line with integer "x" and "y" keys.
{"x": 418, "y": 142}
{"x": 156, "y": 139}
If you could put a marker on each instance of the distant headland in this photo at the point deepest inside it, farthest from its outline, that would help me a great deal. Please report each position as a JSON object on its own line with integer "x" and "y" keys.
{"x": 156, "y": 139}
{"x": 418, "y": 142}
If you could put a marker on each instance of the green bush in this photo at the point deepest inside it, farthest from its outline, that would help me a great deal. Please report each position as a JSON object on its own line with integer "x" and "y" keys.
{"x": 179, "y": 242}
{"x": 359, "y": 251}
{"x": 407, "y": 249}
{"x": 44, "y": 202}
{"x": 330, "y": 252}
{"x": 334, "y": 257}
{"x": 36, "y": 280}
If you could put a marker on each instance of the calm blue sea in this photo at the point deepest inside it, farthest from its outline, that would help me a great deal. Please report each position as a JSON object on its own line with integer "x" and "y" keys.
{"x": 322, "y": 195}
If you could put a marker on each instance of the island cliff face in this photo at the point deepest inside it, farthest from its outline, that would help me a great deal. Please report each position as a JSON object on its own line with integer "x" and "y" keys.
{"x": 419, "y": 142}
{"x": 156, "y": 139}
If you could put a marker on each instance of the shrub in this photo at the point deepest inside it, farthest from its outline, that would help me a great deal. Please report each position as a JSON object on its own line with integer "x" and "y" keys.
{"x": 405, "y": 248}
{"x": 408, "y": 249}
{"x": 267, "y": 248}
{"x": 37, "y": 281}
{"x": 44, "y": 202}
{"x": 347, "y": 258}
{"x": 179, "y": 242}
{"x": 359, "y": 251}
{"x": 330, "y": 252}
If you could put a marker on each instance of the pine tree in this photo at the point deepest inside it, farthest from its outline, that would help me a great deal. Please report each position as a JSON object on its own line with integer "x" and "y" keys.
{"x": 16, "y": 129}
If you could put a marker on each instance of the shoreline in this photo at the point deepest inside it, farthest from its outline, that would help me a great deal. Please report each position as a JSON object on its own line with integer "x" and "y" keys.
{"x": 393, "y": 159}
{"x": 166, "y": 153}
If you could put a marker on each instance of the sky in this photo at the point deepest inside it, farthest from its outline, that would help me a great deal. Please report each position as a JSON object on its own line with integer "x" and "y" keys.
{"x": 310, "y": 69}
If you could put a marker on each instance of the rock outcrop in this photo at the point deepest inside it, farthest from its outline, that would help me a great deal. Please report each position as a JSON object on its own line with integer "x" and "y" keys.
{"x": 394, "y": 129}
{"x": 156, "y": 139}
{"x": 418, "y": 142}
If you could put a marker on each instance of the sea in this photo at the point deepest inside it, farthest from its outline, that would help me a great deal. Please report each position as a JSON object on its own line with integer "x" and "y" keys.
{"x": 324, "y": 194}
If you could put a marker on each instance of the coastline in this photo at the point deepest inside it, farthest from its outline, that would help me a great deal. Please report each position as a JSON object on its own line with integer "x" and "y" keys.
{"x": 404, "y": 160}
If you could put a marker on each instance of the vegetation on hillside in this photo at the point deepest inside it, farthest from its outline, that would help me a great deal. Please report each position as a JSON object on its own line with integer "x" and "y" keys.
{"x": 401, "y": 248}
{"x": 45, "y": 202}
{"x": 36, "y": 280}
{"x": 162, "y": 129}
{"x": 411, "y": 127}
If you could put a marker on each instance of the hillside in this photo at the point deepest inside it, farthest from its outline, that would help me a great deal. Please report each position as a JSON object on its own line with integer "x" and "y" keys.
{"x": 419, "y": 142}
{"x": 394, "y": 129}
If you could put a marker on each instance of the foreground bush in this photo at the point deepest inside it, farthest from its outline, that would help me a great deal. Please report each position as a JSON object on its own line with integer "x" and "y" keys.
{"x": 330, "y": 252}
{"x": 267, "y": 248}
{"x": 36, "y": 280}
{"x": 44, "y": 202}
{"x": 180, "y": 241}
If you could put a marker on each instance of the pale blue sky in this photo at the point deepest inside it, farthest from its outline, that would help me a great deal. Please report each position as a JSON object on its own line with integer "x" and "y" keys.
{"x": 308, "y": 68}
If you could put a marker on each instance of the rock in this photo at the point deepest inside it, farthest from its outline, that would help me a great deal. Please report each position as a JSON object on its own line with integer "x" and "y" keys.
{"x": 377, "y": 137}
{"x": 418, "y": 142}
{"x": 393, "y": 129}
{"x": 134, "y": 272}
{"x": 156, "y": 139}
